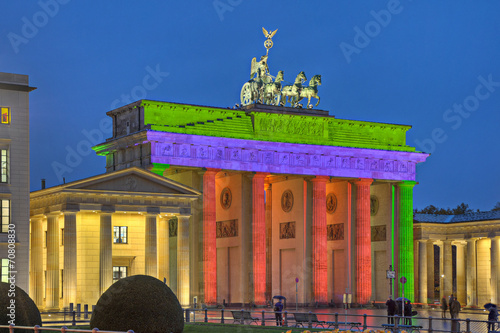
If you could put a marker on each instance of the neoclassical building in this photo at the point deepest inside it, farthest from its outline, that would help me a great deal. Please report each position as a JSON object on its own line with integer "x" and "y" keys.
{"x": 14, "y": 179}
{"x": 290, "y": 198}
{"x": 458, "y": 254}
{"x": 87, "y": 234}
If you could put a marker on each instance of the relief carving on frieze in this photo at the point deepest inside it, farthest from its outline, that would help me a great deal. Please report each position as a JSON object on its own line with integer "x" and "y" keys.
{"x": 166, "y": 149}
{"x": 379, "y": 233}
{"x": 335, "y": 231}
{"x": 227, "y": 228}
{"x": 287, "y": 230}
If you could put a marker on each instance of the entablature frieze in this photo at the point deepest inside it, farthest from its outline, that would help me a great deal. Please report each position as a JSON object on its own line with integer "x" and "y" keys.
{"x": 279, "y": 157}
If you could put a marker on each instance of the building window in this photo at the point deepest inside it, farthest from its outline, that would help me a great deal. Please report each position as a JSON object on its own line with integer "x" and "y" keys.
{"x": 5, "y": 115}
{"x": 45, "y": 243}
{"x": 5, "y": 270}
{"x": 119, "y": 272}
{"x": 4, "y": 165}
{"x": 120, "y": 235}
{"x": 62, "y": 236}
{"x": 5, "y": 215}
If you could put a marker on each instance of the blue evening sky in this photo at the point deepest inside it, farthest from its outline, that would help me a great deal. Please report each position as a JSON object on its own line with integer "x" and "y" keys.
{"x": 434, "y": 65}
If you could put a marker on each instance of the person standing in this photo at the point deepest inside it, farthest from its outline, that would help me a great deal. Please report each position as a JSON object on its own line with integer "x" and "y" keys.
{"x": 391, "y": 310}
{"x": 278, "y": 309}
{"x": 407, "y": 312}
{"x": 492, "y": 319}
{"x": 454, "y": 308}
{"x": 444, "y": 307}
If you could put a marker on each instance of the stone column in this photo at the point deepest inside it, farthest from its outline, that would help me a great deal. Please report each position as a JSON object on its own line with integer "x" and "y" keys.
{"x": 461, "y": 295}
{"x": 163, "y": 250}
{"x": 209, "y": 240}
{"x": 36, "y": 264}
{"x": 52, "y": 283}
{"x": 319, "y": 253}
{"x": 471, "y": 273}
{"x": 422, "y": 271}
{"x": 363, "y": 242}
{"x": 447, "y": 269}
{"x": 406, "y": 262}
{"x": 183, "y": 285}
{"x": 105, "y": 252}
{"x": 494, "y": 269}
{"x": 269, "y": 240}
{"x": 70, "y": 270}
{"x": 259, "y": 238}
{"x": 151, "y": 256}
{"x": 430, "y": 270}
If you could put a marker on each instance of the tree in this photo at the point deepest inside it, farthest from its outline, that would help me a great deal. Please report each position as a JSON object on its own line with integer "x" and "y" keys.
{"x": 497, "y": 206}
{"x": 460, "y": 209}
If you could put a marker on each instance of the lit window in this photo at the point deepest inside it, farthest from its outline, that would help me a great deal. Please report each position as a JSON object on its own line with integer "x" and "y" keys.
{"x": 5, "y": 270}
{"x": 5, "y": 115}
{"x": 5, "y": 215}
{"x": 119, "y": 272}
{"x": 4, "y": 165}
{"x": 120, "y": 235}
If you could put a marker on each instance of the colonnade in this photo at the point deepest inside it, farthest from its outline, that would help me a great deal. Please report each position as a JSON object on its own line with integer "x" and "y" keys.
{"x": 474, "y": 285}
{"x": 155, "y": 253}
{"x": 319, "y": 272}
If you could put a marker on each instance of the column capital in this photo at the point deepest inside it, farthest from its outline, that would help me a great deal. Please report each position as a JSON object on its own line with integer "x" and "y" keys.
{"x": 152, "y": 211}
{"x": 210, "y": 170}
{"x": 320, "y": 179}
{"x": 363, "y": 181}
{"x": 107, "y": 209}
{"x": 261, "y": 174}
{"x": 407, "y": 184}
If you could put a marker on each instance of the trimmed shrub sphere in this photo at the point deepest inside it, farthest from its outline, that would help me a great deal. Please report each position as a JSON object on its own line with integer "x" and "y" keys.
{"x": 16, "y": 305}
{"x": 140, "y": 303}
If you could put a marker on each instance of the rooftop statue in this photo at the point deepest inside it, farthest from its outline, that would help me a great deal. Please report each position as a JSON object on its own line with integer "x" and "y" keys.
{"x": 262, "y": 89}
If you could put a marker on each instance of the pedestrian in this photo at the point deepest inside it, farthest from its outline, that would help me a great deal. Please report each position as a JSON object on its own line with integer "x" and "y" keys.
{"x": 407, "y": 312}
{"x": 492, "y": 319}
{"x": 391, "y": 310}
{"x": 454, "y": 308}
{"x": 444, "y": 307}
{"x": 278, "y": 308}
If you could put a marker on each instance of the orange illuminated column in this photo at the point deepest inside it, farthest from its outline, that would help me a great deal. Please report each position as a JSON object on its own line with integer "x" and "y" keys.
{"x": 363, "y": 242}
{"x": 209, "y": 241}
{"x": 259, "y": 238}
{"x": 320, "y": 272}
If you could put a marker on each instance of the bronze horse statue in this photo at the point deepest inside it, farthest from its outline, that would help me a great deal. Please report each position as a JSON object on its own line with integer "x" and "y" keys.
{"x": 311, "y": 91}
{"x": 291, "y": 93}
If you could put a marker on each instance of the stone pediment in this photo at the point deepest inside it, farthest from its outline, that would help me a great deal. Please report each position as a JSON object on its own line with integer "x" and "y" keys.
{"x": 132, "y": 180}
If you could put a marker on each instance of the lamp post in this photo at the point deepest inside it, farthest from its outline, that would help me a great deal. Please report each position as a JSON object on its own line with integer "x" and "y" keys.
{"x": 441, "y": 286}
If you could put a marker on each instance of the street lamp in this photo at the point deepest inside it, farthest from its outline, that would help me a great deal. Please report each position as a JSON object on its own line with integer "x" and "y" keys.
{"x": 441, "y": 286}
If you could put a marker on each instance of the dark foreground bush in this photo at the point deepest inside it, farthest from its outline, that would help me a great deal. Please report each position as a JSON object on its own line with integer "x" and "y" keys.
{"x": 22, "y": 311}
{"x": 140, "y": 303}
